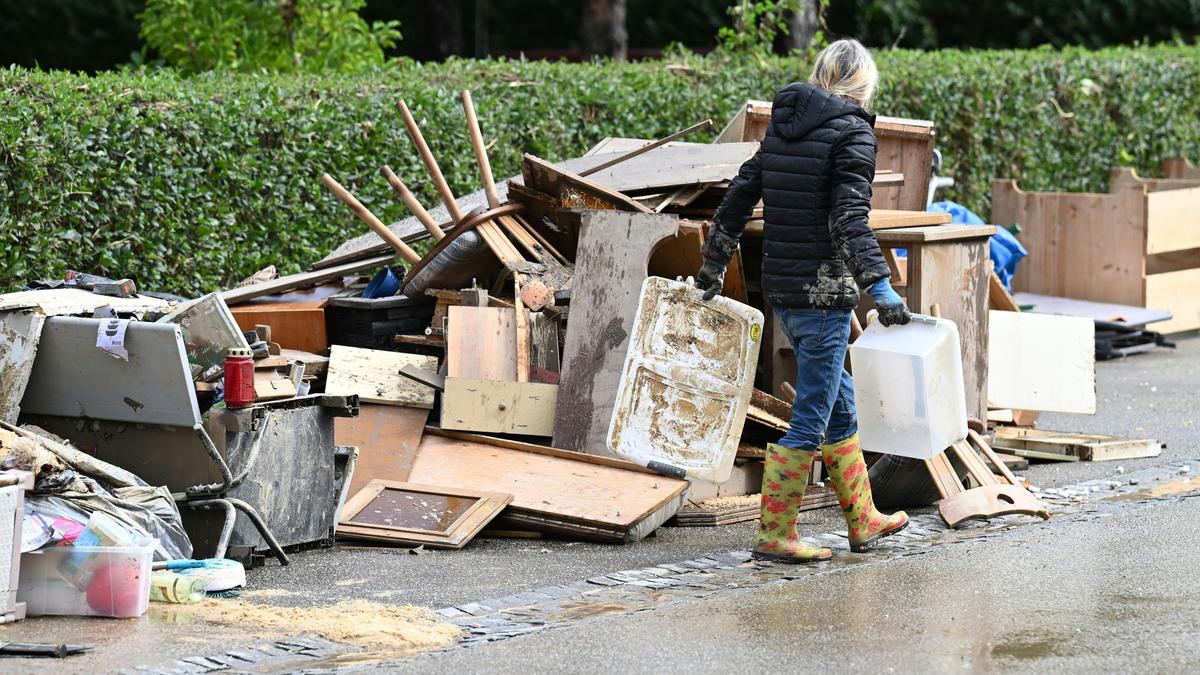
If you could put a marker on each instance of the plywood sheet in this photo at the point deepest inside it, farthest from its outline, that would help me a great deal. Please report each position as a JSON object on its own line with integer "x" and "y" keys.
{"x": 481, "y": 343}
{"x": 387, "y": 438}
{"x": 523, "y": 408}
{"x": 554, "y": 487}
{"x": 671, "y": 165}
{"x": 1041, "y": 362}
{"x": 374, "y": 375}
{"x": 614, "y": 249}
{"x": 294, "y": 325}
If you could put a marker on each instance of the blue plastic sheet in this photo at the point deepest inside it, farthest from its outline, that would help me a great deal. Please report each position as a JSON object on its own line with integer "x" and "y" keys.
{"x": 1003, "y": 247}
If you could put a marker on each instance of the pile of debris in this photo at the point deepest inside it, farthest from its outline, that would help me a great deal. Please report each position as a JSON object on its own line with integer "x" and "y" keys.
{"x": 526, "y": 377}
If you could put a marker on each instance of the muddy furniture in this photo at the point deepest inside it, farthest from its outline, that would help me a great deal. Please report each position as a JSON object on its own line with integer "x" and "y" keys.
{"x": 947, "y": 265}
{"x": 1137, "y": 245}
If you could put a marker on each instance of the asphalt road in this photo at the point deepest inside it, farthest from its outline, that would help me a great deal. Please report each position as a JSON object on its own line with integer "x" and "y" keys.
{"x": 1116, "y": 594}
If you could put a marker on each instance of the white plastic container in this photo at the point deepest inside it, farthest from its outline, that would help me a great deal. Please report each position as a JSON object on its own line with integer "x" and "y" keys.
{"x": 104, "y": 580}
{"x": 688, "y": 377}
{"x": 908, "y": 387}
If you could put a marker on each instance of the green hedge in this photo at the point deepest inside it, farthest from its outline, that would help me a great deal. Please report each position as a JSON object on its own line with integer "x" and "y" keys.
{"x": 190, "y": 184}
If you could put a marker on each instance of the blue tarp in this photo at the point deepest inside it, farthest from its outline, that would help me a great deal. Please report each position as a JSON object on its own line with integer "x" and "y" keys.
{"x": 1005, "y": 250}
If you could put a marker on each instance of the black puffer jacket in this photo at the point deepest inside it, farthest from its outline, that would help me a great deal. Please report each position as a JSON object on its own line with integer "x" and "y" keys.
{"x": 813, "y": 173}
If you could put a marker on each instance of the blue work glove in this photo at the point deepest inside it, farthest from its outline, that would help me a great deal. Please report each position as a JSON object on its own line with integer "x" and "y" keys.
{"x": 891, "y": 307}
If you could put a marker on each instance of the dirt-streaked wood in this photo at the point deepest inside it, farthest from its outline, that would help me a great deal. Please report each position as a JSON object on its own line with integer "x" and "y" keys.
{"x": 375, "y": 376}
{"x": 487, "y": 506}
{"x": 613, "y": 252}
{"x": 573, "y": 190}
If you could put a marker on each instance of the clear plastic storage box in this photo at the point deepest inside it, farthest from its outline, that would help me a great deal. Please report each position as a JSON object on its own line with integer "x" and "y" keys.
{"x": 87, "y": 580}
{"x": 908, "y": 387}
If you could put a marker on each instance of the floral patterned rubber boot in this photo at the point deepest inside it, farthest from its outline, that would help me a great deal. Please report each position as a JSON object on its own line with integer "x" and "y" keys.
{"x": 848, "y": 473}
{"x": 785, "y": 476}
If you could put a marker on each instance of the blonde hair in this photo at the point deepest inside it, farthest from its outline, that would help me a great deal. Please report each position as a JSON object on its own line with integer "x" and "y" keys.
{"x": 845, "y": 68}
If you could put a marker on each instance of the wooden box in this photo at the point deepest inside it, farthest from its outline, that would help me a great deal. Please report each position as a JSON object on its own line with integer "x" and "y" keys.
{"x": 1137, "y": 245}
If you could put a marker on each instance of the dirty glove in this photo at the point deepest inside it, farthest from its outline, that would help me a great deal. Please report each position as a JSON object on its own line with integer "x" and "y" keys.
{"x": 891, "y": 307}
{"x": 711, "y": 279}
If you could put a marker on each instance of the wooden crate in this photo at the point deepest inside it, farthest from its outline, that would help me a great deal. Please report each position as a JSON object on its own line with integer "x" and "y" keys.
{"x": 1134, "y": 246}
{"x": 905, "y": 147}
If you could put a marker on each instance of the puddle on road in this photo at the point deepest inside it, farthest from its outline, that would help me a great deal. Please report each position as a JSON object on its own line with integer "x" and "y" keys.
{"x": 588, "y": 609}
{"x": 336, "y": 661}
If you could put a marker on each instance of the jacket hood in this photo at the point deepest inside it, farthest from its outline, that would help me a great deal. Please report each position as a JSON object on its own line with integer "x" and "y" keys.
{"x": 801, "y": 107}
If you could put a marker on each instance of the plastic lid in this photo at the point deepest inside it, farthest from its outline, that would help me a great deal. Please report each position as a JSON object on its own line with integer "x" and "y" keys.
{"x": 238, "y": 352}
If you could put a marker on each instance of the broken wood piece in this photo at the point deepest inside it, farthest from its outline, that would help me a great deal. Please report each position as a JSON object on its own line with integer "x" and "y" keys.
{"x": 481, "y": 343}
{"x": 572, "y": 190}
{"x": 273, "y": 388}
{"x": 1070, "y": 447}
{"x": 419, "y": 515}
{"x": 989, "y": 501}
{"x": 374, "y": 375}
{"x": 554, "y": 491}
{"x": 614, "y": 249}
{"x": 423, "y": 376}
{"x": 387, "y": 438}
{"x": 435, "y": 173}
{"x": 521, "y": 324}
{"x": 524, "y": 408}
{"x": 699, "y": 126}
{"x": 998, "y": 296}
{"x": 364, "y": 214}
{"x": 410, "y": 200}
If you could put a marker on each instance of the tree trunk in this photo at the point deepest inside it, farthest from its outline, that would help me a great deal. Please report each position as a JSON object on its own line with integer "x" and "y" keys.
{"x": 803, "y": 25}
{"x": 603, "y": 30}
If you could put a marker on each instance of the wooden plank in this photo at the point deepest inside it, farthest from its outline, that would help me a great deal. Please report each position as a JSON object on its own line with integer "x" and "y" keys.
{"x": 573, "y": 191}
{"x": 603, "y": 502}
{"x": 888, "y": 219}
{"x": 305, "y": 279}
{"x": 1180, "y": 167}
{"x": 520, "y": 332}
{"x": 524, "y": 408}
{"x": 1120, "y": 178}
{"x": 931, "y": 233}
{"x": 387, "y": 438}
{"x": 613, "y": 252}
{"x": 1175, "y": 292}
{"x": 374, "y": 375}
{"x": 1173, "y": 220}
{"x": 672, "y": 165}
{"x": 270, "y": 387}
{"x": 1063, "y": 446}
{"x": 481, "y": 343}
{"x": 1082, "y": 245}
{"x": 1041, "y": 362}
{"x": 998, "y": 296}
{"x": 428, "y": 378}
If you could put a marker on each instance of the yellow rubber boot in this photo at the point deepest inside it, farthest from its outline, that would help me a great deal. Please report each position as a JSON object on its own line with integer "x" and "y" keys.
{"x": 848, "y": 473}
{"x": 785, "y": 477}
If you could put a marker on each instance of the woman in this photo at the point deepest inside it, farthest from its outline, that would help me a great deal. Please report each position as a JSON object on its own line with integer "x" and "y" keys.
{"x": 813, "y": 173}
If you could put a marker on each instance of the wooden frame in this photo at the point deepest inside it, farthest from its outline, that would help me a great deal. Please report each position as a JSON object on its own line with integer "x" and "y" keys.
{"x": 487, "y": 506}
{"x": 1139, "y": 245}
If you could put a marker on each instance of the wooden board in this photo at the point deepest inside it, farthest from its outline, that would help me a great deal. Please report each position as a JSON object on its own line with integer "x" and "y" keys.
{"x": 730, "y": 510}
{"x": 572, "y": 190}
{"x": 614, "y": 249}
{"x": 304, "y": 279}
{"x": 481, "y": 343}
{"x": 1180, "y": 167}
{"x": 887, "y": 219}
{"x": 374, "y": 375}
{"x": 1041, "y": 362}
{"x": 671, "y": 165}
{"x": 1120, "y": 178}
{"x": 419, "y": 515}
{"x": 271, "y": 387}
{"x": 562, "y": 492}
{"x": 1175, "y": 292}
{"x": 1082, "y": 245}
{"x": 294, "y": 325}
{"x": 523, "y": 408}
{"x": 387, "y": 438}
{"x": 1064, "y": 446}
{"x": 904, "y": 146}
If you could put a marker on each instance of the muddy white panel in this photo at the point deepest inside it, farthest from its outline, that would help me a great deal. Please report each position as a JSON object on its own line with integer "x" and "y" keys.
{"x": 687, "y": 381}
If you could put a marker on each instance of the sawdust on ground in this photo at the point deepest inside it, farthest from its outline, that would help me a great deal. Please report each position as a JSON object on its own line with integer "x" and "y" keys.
{"x": 730, "y": 502}
{"x": 360, "y": 622}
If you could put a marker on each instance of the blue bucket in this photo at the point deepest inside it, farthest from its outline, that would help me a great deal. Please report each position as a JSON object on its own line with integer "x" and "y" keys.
{"x": 383, "y": 285}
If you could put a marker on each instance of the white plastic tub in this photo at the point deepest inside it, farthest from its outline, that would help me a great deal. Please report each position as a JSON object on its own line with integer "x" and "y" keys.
{"x": 87, "y": 580}
{"x": 908, "y": 387}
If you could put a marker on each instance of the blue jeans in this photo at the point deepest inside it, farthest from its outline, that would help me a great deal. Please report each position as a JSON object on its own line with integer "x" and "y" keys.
{"x": 824, "y": 408}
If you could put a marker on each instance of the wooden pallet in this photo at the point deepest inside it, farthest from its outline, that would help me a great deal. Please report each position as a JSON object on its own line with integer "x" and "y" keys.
{"x": 730, "y": 510}
{"x": 1068, "y": 447}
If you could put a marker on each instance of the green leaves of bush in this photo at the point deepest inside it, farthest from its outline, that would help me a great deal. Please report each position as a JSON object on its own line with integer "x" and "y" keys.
{"x": 190, "y": 184}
